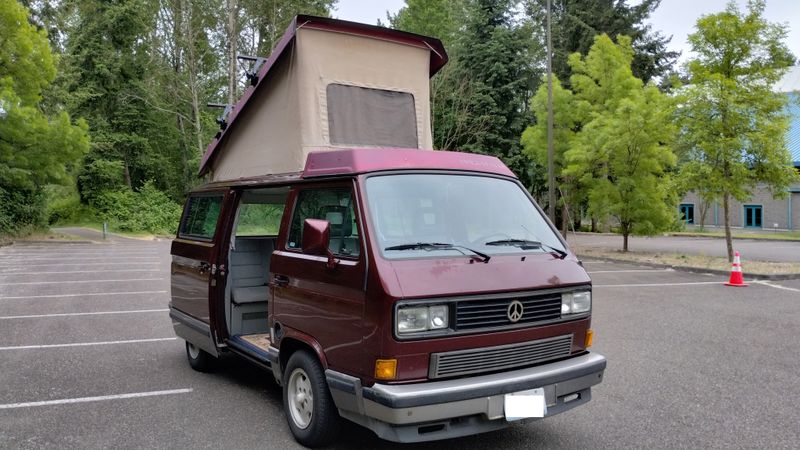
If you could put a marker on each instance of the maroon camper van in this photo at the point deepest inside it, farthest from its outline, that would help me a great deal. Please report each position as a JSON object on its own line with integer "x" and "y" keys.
{"x": 421, "y": 294}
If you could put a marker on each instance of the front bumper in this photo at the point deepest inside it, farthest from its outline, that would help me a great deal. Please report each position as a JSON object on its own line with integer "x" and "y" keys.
{"x": 460, "y": 407}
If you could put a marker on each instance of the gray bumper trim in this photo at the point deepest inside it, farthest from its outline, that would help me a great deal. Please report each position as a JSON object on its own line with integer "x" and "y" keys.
{"x": 430, "y": 393}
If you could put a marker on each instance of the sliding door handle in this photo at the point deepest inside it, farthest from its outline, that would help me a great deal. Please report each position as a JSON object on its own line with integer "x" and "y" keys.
{"x": 280, "y": 280}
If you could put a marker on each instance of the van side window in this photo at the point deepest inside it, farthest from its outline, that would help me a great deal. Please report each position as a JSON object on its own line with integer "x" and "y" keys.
{"x": 200, "y": 218}
{"x": 333, "y": 205}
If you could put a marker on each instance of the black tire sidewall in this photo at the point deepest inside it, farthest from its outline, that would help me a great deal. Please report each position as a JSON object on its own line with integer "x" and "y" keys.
{"x": 324, "y": 424}
{"x": 203, "y": 363}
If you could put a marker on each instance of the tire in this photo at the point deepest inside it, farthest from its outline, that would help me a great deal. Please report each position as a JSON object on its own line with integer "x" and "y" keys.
{"x": 307, "y": 403}
{"x": 199, "y": 359}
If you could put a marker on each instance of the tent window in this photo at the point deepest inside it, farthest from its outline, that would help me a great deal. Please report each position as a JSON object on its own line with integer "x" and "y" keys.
{"x": 376, "y": 117}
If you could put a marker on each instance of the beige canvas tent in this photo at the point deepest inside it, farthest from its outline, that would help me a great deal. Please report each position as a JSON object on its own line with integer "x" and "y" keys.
{"x": 328, "y": 84}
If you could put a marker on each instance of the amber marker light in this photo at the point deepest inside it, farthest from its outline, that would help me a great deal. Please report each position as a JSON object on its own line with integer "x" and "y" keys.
{"x": 589, "y": 337}
{"x": 385, "y": 369}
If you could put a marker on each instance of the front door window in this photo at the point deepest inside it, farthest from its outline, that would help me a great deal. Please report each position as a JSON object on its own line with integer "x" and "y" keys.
{"x": 334, "y": 205}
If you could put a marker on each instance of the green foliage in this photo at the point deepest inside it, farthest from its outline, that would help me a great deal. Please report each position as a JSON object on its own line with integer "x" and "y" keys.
{"x": 575, "y": 23}
{"x": 438, "y": 18}
{"x": 621, "y": 156}
{"x": 35, "y": 148}
{"x": 148, "y": 210}
{"x": 733, "y": 124}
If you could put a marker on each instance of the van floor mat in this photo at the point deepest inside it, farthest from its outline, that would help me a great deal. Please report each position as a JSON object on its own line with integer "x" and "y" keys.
{"x": 255, "y": 344}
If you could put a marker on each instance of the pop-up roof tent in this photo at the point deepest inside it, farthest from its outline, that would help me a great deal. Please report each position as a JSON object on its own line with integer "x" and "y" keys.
{"x": 328, "y": 84}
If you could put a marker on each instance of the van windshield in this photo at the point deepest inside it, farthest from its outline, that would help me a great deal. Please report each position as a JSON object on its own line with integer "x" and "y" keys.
{"x": 436, "y": 215}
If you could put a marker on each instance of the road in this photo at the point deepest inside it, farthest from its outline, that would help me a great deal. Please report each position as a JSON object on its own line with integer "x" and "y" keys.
{"x": 89, "y": 360}
{"x": 751, "y": 249}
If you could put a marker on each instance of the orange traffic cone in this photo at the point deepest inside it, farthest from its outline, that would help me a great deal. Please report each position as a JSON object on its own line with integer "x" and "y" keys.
{"x": 736, "y": 272}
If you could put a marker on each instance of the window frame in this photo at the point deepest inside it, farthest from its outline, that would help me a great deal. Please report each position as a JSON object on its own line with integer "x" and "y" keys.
{"x": 295, "y": 200}
{"x": 754, "y": 208}
{"x": 186, "y": 209}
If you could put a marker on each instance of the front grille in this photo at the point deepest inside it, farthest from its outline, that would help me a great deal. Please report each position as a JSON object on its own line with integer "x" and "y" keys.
{"x": 490, "y": 313}
{"x": 491, "y": 359}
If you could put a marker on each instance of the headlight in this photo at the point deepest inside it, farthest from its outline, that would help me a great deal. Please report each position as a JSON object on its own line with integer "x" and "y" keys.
{"x": 576, "y": 302}
{"x": 422, "y": 318}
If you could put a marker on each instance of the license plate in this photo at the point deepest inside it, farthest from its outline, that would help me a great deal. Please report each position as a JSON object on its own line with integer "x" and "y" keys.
{"x": 525, "y": 404}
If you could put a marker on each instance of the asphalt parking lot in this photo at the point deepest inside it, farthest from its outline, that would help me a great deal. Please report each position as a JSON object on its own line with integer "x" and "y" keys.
{"x": 88, "y": 359}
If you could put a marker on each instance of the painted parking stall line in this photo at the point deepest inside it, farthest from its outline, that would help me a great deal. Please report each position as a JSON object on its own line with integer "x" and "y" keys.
{"x": 91, "y": 272}
{"x": 81, "y": 281}
{"x": 66, "y": 401}
{"x": 693, "y": 283}
{"x": 630, "y": 271}
{"x": 93, "y": 313}
{"x": 85, "y": 344}
{"x": 93, "y": 294}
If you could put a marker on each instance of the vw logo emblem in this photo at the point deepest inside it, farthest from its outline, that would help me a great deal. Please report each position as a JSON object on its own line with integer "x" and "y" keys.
{"x": 515, "y": 310}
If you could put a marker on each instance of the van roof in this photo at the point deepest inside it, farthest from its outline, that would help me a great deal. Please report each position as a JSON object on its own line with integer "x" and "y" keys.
{"x": 351, "y": 162}
{"x": 438, "y": 58}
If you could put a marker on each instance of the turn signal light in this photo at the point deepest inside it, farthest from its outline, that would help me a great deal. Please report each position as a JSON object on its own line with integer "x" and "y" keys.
{"x": 589, "y": 337}
{"x": 385, "y": 369}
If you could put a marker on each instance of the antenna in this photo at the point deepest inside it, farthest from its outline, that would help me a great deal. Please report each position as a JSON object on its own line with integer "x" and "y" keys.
{"x": 252, "y": 74}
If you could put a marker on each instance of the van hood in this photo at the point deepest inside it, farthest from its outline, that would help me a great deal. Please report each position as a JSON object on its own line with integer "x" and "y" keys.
{"x": 458, "y": 276}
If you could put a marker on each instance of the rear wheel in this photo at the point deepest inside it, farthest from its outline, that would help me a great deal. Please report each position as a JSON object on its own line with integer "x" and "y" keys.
{"x": 307, "y": 402}
{"x": 199, "y": 359}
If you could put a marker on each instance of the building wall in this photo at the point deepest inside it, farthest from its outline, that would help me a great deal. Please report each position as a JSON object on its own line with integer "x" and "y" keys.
{"x": 773, "y": 211}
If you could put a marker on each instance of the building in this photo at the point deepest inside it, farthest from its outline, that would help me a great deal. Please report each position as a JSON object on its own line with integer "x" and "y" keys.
{"x": 761, "y": 210}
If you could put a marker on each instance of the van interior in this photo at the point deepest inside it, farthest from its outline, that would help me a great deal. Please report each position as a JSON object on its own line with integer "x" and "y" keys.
{"x": 247, "y": 293}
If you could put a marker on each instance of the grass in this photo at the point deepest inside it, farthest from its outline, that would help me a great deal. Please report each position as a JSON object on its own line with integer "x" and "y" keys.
{"x": 737, "y": 234}
{"x": 700, "y": 262}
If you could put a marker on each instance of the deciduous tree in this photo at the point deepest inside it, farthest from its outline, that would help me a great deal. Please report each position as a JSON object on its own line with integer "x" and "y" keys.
{"x": 732, "y": 120}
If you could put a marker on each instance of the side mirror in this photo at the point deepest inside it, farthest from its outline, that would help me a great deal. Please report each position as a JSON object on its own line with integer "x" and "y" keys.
{"x": 316, "y": 239}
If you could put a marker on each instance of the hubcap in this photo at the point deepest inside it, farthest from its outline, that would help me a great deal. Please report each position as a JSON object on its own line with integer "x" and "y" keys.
{"x": 300, "y": 398}
{"x": 194, "y": 352}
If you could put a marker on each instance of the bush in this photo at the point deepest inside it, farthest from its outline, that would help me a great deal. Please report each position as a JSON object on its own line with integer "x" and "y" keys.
{"x": 148, "y": 210}
{"x": 21, "y": 210}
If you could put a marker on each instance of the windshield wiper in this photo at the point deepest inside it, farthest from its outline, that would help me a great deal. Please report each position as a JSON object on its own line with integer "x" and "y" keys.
{"x": 526, "y": 244}
{"x": 439, "y": 246}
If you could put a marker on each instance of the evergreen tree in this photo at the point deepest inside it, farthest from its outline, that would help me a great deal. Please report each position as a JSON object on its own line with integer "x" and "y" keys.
{"x": 575, "y": 23}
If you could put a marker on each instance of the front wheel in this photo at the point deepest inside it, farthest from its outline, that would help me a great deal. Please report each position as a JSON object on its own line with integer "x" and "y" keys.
{"x": 199, "y": 359}
{"x": 307, "y": 402}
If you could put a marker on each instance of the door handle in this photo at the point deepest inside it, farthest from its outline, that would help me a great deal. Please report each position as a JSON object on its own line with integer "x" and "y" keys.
{"x": 280, "y": 280}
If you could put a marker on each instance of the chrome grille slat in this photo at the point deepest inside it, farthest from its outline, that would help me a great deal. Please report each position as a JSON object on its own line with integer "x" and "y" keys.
{"x": 488, "y": 359}
{"x": 493, "y": 312}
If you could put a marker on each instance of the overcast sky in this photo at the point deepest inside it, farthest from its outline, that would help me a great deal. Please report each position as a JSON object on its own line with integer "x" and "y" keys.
{"x": 674, "y": 18}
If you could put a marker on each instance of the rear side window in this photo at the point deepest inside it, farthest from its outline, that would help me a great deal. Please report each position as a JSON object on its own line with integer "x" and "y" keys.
{"x": 200, "y": 217}
{"x": 333, "y": 205}
{"x": 373, "y": 117}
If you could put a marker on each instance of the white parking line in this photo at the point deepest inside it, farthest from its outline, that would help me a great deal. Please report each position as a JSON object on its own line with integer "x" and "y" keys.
{"x": 19, "y": 297}
{"x": 96, "y": 313}
{"x": 66, "y": 401}
{"x": 10, "y": 266}
{"x": 85, "y": 344}
{"x": 776, "y": 286}
{"x": 80, "y": 281}
{"x": 56, "y": 260}
{"x": 631, "y": 271}
{"x": 658, "y": 284}
{"x": 79, "y": 271}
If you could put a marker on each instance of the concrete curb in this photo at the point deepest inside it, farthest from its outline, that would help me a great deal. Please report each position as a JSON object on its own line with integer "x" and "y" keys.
{"x": 53, "y": 241}
{"x": 751, "y": 276}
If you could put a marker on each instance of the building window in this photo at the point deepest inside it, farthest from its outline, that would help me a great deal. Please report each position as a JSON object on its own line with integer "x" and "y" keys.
{"x": 752, "y": 216}
{"x": 687, "y": 213}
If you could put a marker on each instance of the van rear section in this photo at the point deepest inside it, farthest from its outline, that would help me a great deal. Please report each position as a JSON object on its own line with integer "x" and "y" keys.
{"x": 423, "y": 296}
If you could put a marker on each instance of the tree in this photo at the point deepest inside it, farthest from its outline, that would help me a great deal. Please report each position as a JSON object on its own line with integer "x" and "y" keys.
{"x": 575, "y": 23}
{"x": 442, "y": 19}
{"x": 621, "y": 154}
{"x": 730, "y": 117}
{"x": 35, "y": 149}
{"x": 565, "y": 125}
